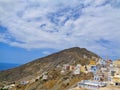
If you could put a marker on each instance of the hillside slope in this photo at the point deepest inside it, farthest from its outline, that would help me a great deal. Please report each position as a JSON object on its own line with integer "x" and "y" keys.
{"x": 71, "y": 56}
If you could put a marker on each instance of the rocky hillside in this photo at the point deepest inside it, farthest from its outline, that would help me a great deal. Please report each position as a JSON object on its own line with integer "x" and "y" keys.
{"x": 48, "y": 63}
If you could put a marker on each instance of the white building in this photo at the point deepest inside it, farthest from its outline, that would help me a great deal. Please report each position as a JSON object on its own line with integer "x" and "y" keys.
{"x": 97, "y": 78}
{"x": 24, "y": 82}
{"x": 45, "y": 77}
{"x": 9, "y": 86}
{"x": 77, "y": 69}
{"x": 88, "y": 84}
{"x": 85, "y": 56}
{"x": 101, "y": 62}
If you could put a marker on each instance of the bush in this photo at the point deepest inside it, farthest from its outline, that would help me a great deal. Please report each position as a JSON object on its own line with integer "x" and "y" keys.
{"x": 3, "y": 89}
{"x": 49, "y": 84}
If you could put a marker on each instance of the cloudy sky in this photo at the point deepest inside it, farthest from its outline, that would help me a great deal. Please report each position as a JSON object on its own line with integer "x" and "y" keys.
{"x": 35, "y": 28}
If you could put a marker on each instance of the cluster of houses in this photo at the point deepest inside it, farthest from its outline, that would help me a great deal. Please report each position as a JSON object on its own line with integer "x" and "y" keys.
{"x": 104, "y": 71}
{"x": 74, "y": 69}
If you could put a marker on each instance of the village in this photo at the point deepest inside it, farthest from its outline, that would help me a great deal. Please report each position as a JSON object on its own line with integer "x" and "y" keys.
{"x": 105, "y": 73}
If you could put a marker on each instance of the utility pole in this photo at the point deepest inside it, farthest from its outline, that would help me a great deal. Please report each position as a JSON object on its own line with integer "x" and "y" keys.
{"x": 106, "y": 57}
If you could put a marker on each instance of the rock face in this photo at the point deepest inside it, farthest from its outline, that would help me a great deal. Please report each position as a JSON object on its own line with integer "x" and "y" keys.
{"x": 68, "y": 56}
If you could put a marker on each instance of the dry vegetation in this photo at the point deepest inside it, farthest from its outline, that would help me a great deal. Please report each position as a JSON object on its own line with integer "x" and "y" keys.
{"x": 49, "y": 84}
{"x": 56, "y": 81}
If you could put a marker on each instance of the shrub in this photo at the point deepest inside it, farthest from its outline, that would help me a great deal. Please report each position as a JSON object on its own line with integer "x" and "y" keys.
{"x": 49, "y": 84}
{"x": 3, "y": 89}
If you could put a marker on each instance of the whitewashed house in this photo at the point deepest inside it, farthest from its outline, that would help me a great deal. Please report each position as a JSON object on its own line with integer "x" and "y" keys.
{"x": 101, "y": 62}
{"x": 97, "y": 78}
{"x": 66, "y": 67}
{"x": 62, "y": 72}
{"x": 24, "y": 82}
{"x": 77, "y": 69}
{"x": 9, "y": 86}
{"x": 6, "y": 87}
{"x": 45, "y": 77}
{"x": 85, "y": 56}
{"x": 104, "y": 69}
{"x": 89, "y": 84}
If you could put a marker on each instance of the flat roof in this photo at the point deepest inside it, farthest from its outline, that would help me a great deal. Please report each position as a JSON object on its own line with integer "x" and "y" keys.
{"x": 93, "y": 83}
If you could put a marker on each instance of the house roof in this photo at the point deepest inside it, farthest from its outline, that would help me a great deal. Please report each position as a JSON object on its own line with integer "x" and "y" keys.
{"x": 92, "y": 62}
{"x": 115, "y": 79}
{"x": 93, "y": 83}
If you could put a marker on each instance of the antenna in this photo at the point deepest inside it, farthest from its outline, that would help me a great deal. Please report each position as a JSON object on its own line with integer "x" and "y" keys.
{"x": 107, "y": 57}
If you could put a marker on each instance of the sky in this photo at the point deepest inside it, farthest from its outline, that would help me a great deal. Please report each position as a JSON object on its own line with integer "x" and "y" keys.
{"x": 31, "y": 29}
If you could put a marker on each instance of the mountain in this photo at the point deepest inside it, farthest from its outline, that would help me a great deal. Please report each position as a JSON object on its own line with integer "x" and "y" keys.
{"x": 5, "y": 66}
{"x": 49, "y": 63}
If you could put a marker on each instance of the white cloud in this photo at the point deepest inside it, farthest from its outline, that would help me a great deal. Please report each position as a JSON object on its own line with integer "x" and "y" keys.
{"x": 46, "y": 52}
{"x": 62, "y": 24}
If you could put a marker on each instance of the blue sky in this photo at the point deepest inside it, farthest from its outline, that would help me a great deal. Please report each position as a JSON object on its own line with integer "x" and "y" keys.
{"x": 9, "y": 54}
{"x": 30, "y": 29}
